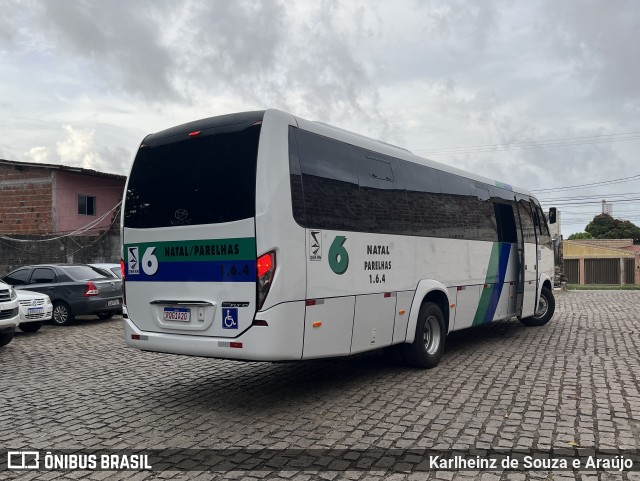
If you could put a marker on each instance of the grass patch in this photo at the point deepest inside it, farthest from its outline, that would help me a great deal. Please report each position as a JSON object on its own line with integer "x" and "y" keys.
{"x": 603, "y": 287}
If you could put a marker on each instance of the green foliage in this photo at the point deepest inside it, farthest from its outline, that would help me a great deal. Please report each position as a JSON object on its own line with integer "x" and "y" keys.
{"x": 604, "y": 226}
{"x": 603, "y": 287}
{"x": 580, "y": 235}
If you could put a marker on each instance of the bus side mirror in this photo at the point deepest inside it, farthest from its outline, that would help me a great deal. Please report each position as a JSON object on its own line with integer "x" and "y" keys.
{"x": 552, "y": 215}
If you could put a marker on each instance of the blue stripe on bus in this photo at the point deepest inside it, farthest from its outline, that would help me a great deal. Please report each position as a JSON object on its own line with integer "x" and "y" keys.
{"x": 503, "y": 261}
{"x": 198, "y": 271}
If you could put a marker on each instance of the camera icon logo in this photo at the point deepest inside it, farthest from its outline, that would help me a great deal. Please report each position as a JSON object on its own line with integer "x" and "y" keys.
{"x": 23, "y": 460}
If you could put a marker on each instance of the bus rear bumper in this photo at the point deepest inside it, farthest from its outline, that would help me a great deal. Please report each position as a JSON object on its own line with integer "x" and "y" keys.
{"x": 281, "y": 340}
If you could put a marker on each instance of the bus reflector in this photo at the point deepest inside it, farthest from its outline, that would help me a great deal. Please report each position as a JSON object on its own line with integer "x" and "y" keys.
{"x": 194, "y": 133}
{"x": 452, "y": 306}
{"x": 237, "y": 345}
{"x": 135, "y": 337}
{"x": 316, "y": 323}
{"x": 310, "y": 302}
{"x": 260, "y": 322}
{"x": 387, "y": 294}
{"x": 401, "y": 311}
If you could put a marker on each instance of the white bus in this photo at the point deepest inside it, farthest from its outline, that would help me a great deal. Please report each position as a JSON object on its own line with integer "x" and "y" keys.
{"x": 263, "y": 236}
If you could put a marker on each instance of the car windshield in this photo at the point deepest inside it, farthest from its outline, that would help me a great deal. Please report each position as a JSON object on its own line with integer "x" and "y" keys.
{"x": 82, "y": 273}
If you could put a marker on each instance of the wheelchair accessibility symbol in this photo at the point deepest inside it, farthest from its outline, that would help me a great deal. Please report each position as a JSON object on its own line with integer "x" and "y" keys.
{"x": 229, "y": 318}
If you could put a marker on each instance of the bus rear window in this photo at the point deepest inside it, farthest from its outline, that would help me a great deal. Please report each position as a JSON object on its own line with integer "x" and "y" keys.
{"x": 204, "y": 179}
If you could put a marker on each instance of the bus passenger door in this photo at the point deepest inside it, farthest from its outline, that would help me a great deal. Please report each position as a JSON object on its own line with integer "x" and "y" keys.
{"x": 530, "y": 257}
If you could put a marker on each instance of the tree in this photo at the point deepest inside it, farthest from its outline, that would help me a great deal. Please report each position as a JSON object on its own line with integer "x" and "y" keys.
{"x": 580, "y": 235}
{"x": 604, "y": 226}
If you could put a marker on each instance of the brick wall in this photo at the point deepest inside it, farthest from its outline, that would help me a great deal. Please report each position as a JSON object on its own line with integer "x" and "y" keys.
{"x": 30, "y": 249}
{"x": 610, "y": 243}
{"x": 25, "y": 200}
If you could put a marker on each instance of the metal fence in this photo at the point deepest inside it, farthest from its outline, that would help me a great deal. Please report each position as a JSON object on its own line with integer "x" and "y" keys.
{"x": 572, "y": 271}
{"x": 602, "y": 271}
{"x": 629, "y": 271}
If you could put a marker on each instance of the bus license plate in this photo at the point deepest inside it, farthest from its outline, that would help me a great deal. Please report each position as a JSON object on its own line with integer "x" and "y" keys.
{"x": 181, "y": 314}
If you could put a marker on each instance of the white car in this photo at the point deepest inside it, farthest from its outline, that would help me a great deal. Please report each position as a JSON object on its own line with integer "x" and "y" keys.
{"x": 35, "y": 308}
{"x": 9, "y": 313}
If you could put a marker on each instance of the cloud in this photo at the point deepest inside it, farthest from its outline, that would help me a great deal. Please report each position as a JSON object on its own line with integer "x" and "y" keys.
{"x": 38, "y": 154}
{"x": 598, "y": 41}
{"x": 77, "y": 149}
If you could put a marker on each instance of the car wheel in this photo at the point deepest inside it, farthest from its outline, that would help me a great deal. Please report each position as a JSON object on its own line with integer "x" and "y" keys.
{"x": 106, "y": 315}
{"x": 62, "y": 315}
{"x": 544, "y": 311}
{"x": 6, "y": 337}
{"x": 30, "y": 326}
{"x": 428, "y": 346}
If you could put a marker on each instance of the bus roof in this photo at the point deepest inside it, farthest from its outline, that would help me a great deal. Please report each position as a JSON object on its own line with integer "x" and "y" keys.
{"x": 398, "y": 152}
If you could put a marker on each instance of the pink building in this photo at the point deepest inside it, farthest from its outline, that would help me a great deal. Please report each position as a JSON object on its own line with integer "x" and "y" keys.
{"x": 46, "y": 198}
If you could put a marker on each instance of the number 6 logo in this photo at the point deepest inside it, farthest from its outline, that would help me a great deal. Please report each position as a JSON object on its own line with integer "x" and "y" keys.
{"x": 338, "y": 255}
{"x": 149, "y": 261}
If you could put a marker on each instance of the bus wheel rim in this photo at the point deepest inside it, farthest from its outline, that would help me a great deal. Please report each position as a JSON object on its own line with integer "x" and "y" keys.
{"x": 432, "y": 335}
{"x": 543, "y": 305}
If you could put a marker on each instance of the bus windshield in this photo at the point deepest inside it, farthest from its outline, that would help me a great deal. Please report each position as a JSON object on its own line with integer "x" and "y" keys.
{"x": 208, "y": 178}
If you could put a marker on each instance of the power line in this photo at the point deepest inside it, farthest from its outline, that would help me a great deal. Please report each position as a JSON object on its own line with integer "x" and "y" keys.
{"x": 533, "y": 144}
{"x": 593, "y": 184}
{"x": 608, "y": 197}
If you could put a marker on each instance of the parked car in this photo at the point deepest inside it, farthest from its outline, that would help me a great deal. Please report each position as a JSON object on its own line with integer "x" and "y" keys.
{"x": 113, "y": 270}
{"x": 35, "y": 308}
{"x": 9, "y": 313}
{"x": 74, "y": 289}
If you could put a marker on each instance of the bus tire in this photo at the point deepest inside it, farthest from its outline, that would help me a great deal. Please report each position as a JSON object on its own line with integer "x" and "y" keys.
{"x": 544, "y": 311}
{"x": 428, "y": 346}
{"x": 394, "y": 355}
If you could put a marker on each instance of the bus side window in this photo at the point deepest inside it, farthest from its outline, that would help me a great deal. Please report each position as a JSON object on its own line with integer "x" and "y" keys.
{"x": 459, "y": 206}
{"x": 528, "y": 228}
{"x": 424, "y": 199}
{"x": 329, "y": 182}
{"x": 506, "y": 222}
{"x": 544, "y": 238}
{"x": 484, "y": 214}
{"x": 297, "y": 193}
{"x": 384, "y": 201}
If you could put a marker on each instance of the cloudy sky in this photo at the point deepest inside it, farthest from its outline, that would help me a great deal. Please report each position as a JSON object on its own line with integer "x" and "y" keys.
{"x": 538, "y": 93}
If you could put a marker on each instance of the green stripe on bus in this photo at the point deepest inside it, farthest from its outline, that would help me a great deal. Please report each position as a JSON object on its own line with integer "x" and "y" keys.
{"x": 492, "y": 277}
{"x": 241, "y": 248}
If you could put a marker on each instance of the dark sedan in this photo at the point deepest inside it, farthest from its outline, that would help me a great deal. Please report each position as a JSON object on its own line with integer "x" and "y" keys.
{"x": 74, "y": 289}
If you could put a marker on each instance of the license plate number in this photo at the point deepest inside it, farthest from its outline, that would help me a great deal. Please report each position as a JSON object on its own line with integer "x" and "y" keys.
{"x": 35, "y": 310}
{"x": 114, "y": 302}
{"x": 181, "y": 314}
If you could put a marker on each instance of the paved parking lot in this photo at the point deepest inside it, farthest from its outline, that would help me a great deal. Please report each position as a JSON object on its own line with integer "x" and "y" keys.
{"x": 574, "y": 382}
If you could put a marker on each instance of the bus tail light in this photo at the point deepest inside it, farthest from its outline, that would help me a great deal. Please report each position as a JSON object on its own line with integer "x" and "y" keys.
{"x": 266, "y": 266}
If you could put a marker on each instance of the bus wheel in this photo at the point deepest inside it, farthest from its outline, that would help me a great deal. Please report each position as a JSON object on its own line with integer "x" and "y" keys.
{"x": 394, "y": 354}
{"x": 544, "y": 311}
{"x": 428, "y": 346}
